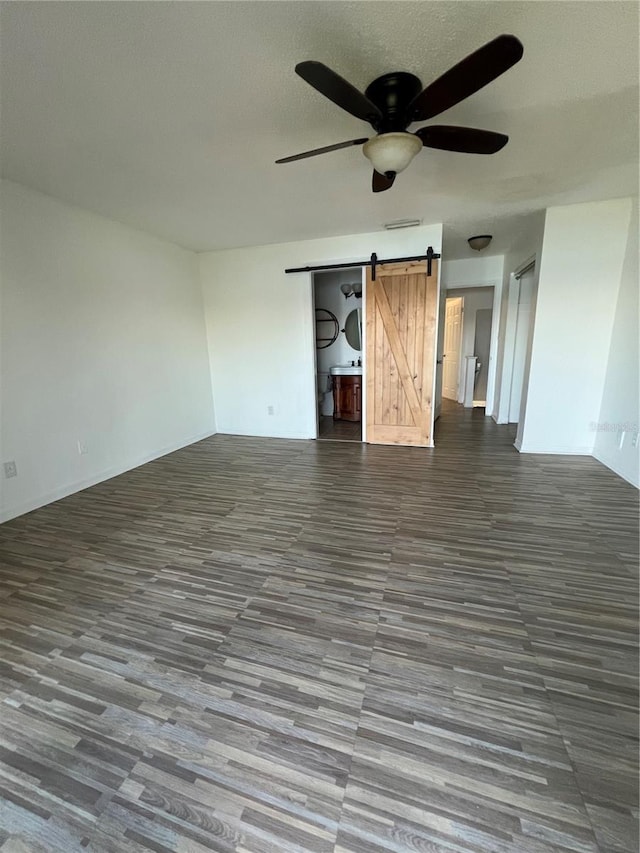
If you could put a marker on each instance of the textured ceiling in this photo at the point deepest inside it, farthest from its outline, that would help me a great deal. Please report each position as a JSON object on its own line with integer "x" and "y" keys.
{"x": 168, "y": 116}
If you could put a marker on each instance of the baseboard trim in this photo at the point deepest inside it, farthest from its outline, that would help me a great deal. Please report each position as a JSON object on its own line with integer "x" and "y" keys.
{"x": 553, "y": 451}
{"x": 292, "y": 437}
{"x": 80, "y": 485}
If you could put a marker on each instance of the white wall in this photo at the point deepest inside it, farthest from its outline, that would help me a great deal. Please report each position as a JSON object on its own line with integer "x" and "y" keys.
{"x": 103, "y": 341}
{"x": 260, "y": 325}
{"x": 619, "y": 411}
{"x": 579, "y": 279}
{"x": 481, "y": 348}
{"x": 472, "y": 272}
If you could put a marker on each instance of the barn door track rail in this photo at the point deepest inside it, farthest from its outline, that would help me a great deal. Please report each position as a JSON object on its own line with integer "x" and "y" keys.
{"x": 373, "y": 262}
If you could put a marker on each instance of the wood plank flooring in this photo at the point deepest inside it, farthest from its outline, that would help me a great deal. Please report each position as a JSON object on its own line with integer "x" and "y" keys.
{"x": 259, "y": 645}
{"x": 336, "y": 430}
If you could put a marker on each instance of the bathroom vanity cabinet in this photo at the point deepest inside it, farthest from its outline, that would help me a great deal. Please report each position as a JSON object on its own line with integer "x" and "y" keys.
{"x": 347, "y": 398}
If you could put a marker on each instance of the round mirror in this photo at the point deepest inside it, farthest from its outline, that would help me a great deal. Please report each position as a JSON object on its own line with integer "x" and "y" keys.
{"x": 352, "y": 329}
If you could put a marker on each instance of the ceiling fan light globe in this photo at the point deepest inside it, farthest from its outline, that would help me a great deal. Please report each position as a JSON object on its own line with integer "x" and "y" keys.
{"x": 391, "y": 152}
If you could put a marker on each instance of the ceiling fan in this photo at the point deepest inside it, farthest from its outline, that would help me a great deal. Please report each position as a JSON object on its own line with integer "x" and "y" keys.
{"x": 394, "y": 101}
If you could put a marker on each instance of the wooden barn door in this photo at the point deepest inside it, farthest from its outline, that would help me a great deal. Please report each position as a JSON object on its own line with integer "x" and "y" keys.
{"x": 401, "y": 340}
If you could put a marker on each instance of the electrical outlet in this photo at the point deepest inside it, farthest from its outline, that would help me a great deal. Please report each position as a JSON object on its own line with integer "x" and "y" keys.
{"x": 10, "y": 469}
{"x": 269, "y": 410}
{"x": 82, "y": 447}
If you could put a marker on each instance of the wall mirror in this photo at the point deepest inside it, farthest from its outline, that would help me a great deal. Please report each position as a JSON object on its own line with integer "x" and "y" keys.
{"x": 352, "y": 329}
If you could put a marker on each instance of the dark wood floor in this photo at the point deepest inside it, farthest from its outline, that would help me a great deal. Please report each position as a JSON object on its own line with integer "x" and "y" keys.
{"x": 330, "y": 429}
{"x": 264, "y": 645}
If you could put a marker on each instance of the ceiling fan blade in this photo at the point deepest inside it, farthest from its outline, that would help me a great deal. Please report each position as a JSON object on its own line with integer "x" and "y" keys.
{"x": 338, "y": 90}
{"x": 380, "y": 183}
{"x": 468, "y": 140}
{"x": 324, "y": 150}
{"x": 468, "y": 76}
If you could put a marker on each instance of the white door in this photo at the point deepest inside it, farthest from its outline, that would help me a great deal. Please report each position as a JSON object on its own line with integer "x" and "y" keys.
{"x": 452, "y": 334}
{"x": 521, "y": 344}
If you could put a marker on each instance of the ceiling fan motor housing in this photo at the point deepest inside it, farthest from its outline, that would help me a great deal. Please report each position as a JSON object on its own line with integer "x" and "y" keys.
{"x": 392, "y": 94}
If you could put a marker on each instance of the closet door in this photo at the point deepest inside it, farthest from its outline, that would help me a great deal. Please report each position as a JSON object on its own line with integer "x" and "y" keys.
{"x": 523, "y": 331}
{"x": 401, "y": 344}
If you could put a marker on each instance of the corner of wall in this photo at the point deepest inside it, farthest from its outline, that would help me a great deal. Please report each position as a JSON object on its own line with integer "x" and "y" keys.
{"x": 580, "y": 264}
{"x": 103, "y": 346}
{"x": 618, "y": 425}
{"x": 201, "y": 276}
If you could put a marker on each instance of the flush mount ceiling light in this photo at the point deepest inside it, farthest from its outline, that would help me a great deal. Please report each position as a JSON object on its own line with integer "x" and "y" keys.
{"x": 391, "y": 153}
{"x": 480, "y": 241}
{"x": 354, "y": 289}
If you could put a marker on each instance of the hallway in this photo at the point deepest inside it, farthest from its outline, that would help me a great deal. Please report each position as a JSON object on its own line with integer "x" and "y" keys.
{"x": 468, "y": 430}
{"x": 268, "y": 645}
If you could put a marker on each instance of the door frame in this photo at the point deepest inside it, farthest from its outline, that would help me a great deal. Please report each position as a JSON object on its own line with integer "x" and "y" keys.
{"x": 503, "y": 382}
{"x": 492, "y": 378}
{"x": 314, "y": 361}
{"x": 522, "y": 335}
{"x": 504, "y": 399}
{"x": 363, "y": 343}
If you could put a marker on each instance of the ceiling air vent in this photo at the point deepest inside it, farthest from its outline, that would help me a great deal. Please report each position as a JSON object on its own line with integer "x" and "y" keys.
{"x": 402, "y": 223}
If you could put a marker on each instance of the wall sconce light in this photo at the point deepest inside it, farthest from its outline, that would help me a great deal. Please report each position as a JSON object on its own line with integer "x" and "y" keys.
{"x": 480, "y": 242}
{"x": 352, "y": 289}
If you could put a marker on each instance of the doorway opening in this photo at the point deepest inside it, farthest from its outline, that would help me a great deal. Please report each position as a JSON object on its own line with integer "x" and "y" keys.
{"x": 468, "y": 342}
{"x": 338, "y": 306}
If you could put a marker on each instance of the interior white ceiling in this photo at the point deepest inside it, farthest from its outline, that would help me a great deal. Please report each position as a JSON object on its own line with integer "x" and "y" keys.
{"x": 169, "y": 116}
